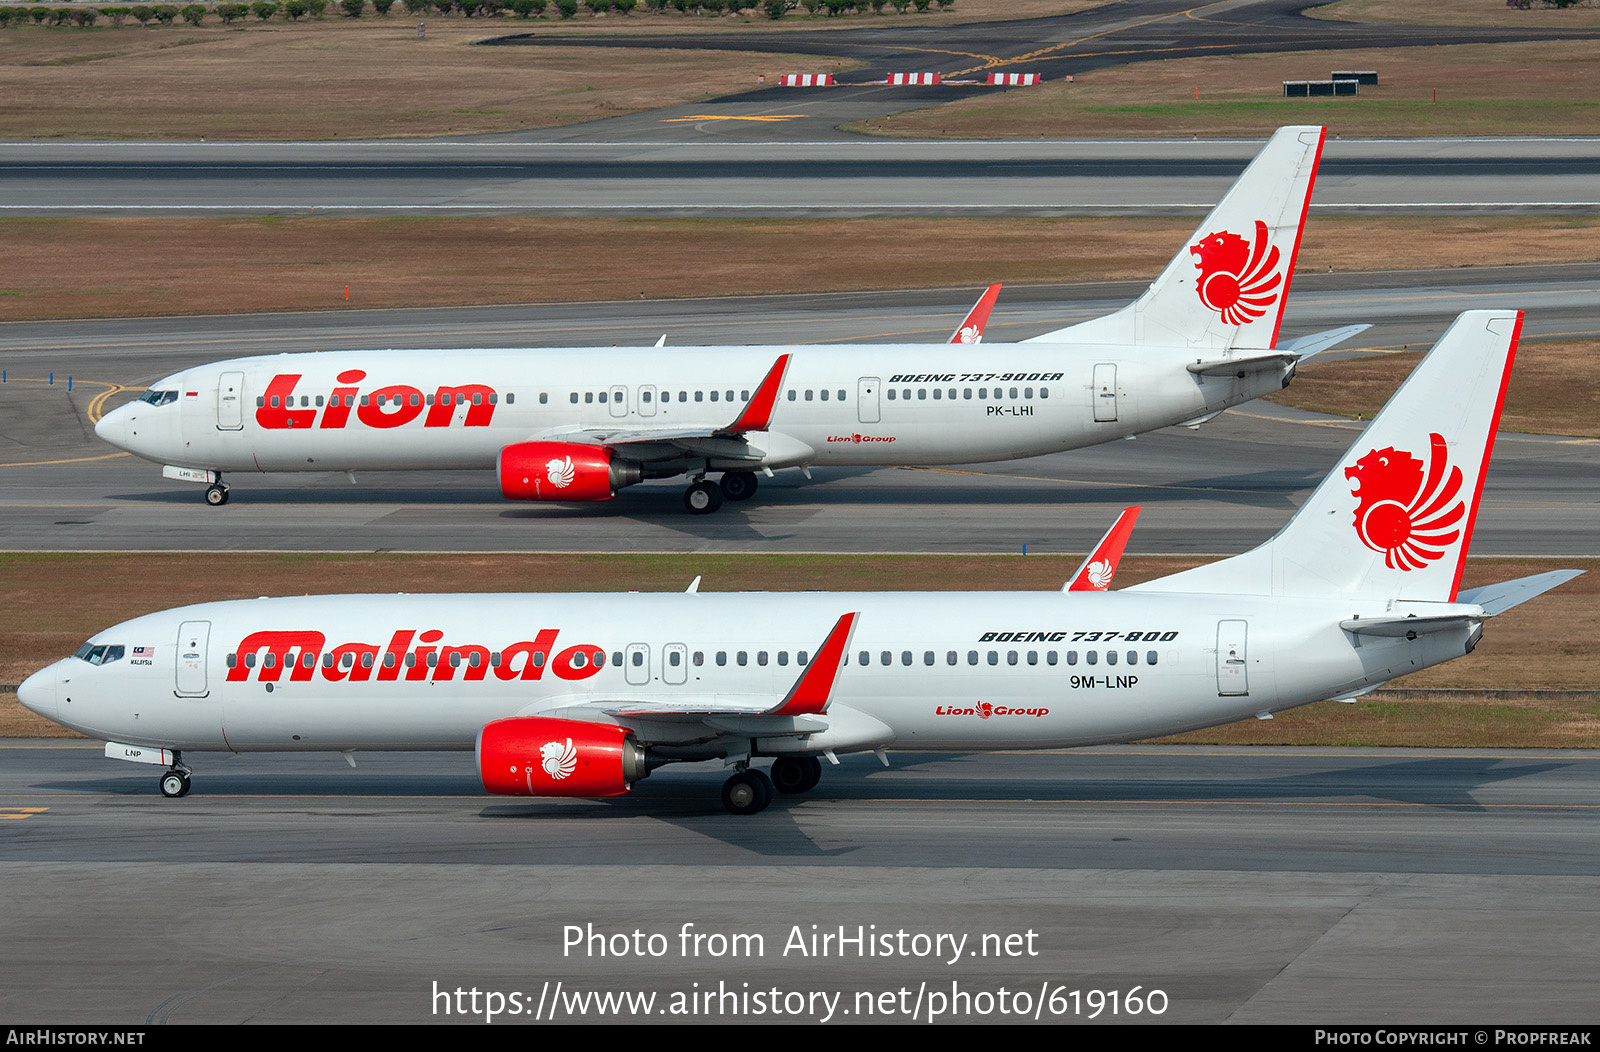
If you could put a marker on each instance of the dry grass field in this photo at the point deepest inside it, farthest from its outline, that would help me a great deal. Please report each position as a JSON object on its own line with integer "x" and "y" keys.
{"x": 1544, "y": 88}
{"x": 1555, "y": 387}
{"x": 1552, "y": 642}
{"x": 105, "y": 267}
{"x": 1458, "y": 13}
{"x": 373, "y": 77}
{"x": 1446, "y": 721}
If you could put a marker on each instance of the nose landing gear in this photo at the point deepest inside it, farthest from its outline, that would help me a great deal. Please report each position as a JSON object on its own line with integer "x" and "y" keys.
{"x": 175, "y": 782}
{"x": 217, "y": 493}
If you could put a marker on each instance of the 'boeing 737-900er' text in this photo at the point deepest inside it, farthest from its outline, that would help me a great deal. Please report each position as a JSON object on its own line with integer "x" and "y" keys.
{"x": 579, "y": 424}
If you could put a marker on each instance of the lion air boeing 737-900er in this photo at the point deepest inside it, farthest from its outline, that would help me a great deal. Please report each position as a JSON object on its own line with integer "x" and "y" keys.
{"x": 584, "y": 694}
{"x": 580, "y": 424}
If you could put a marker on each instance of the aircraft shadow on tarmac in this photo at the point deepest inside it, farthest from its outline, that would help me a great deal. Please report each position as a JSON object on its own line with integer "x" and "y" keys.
{"x": 1273, "y": 489}
{"x": 689, "y": 800}
{"x": 1437, "y": 781}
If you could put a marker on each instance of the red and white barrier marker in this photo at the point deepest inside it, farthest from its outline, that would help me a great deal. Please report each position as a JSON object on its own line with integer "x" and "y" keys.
{"x": 806, "y": 80}
{"x": 913, "y": 78}
{"x": 1014, "y": 79}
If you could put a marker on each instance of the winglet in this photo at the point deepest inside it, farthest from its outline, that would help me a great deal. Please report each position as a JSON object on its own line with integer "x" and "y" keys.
{"x": 1097, "y": 570}
{"x": 757, "y": 416}
{"x": 971, "y": 328}
{"x": 811, "y": 692}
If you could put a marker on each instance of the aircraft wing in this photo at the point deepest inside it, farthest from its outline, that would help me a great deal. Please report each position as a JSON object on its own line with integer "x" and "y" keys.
{"x": 647, "y": 444}
{"x": 730, "y": 442}
{"x": 771, "y": 716}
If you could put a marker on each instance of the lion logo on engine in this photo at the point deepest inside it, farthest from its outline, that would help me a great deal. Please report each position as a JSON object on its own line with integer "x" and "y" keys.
{"x": 560, "y": 472}
{"x": 558, "y": 760}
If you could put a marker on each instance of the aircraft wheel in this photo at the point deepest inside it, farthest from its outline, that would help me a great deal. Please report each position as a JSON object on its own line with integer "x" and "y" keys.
{"x": 216, "y": 495}
{"x": 739, "y": 485}
{"x": 174, "y": 784}
{"x": 796, "y": 774}
{"x": 747, "y": 793}
{"x": 703, "y": 498}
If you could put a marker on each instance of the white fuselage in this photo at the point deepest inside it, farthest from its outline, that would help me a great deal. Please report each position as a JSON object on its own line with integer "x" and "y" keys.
{"x": 856, "y": 405}
{"x": 923, "y": 670}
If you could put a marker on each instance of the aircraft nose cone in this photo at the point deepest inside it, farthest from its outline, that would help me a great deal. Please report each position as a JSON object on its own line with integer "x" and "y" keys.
{"x": 113, "y": 427}
{"x": 38, "y": 693}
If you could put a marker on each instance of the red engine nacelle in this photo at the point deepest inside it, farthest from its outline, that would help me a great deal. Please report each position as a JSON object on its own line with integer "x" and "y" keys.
{"x": 540, "y": 756}
{"x": 562, "y": 471}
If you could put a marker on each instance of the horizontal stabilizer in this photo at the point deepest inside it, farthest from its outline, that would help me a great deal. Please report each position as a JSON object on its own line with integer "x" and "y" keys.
{"x": 1405, "y": 627}
{"x": 1303, "y": 347}
{"x": 1241, "y": 367}
{"x": 1498, "y": 598}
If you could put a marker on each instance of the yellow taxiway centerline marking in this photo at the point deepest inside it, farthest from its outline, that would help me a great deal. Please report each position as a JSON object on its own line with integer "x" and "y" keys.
{"x": 69, "y": 460}
{"x": 1092, "y": 36}
{"x": 95, "y": 411}
{"x": 729, "y": 117}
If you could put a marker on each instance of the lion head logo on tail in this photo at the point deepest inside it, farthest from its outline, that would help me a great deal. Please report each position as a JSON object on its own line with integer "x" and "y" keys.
{"x": 1238, "y": 279}
{"x": 1409, "y": 515}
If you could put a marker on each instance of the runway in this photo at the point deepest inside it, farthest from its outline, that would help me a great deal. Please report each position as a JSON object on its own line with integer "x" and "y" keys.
{"x": 778, "y": 177}
{"x": 1270, "y": 885}
{"x": 1217, "y": 490}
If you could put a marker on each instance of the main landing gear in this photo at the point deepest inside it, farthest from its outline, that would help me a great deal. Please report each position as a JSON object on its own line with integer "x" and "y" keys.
{"x": 796, "y": 774}
{"x": 747, "y": 793}
{"x": 703, "y": 497}
{"x": 750, "y": 791}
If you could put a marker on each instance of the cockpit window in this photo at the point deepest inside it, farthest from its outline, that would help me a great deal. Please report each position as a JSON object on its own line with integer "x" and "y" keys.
{"x": 101, "y": 654}
{"x": 155, "y": 397}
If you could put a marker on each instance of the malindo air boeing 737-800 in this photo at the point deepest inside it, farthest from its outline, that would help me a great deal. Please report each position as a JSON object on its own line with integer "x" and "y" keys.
{"x": 581, "y": 424}
{"x": 584, "y": 695}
